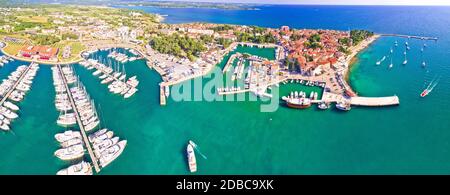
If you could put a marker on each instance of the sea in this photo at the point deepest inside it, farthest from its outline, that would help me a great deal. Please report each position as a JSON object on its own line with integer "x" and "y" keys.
{"x": 235, "y": 137}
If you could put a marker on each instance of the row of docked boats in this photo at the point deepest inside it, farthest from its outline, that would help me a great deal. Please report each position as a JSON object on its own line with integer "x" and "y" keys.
{"x": 305, "y": 82}
{"x": 72, "y": 149}
{"x": 106, "y": 147}
{"x": 116, "y": 80}
{"x": 121, "y": 57}
{"x": 5, "y": 60}
{"x": 13, "y": 90}
{"x": 300, "y": 100}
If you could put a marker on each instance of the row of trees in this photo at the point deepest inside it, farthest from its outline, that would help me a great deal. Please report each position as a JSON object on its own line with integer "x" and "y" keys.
{"x": 253, "y": 38}
{"x": 45, "y": 39}
{"x": 359, "y": 35}
{"x": 177, "y": 45}
{"x": 313, "y": 42}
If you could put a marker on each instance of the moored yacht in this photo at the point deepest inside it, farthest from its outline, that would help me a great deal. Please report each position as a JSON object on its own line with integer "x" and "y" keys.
{"x": 67, "y": 135}
{"x": 82, "y": 168}
{"x": 70, "y": 153}
{"x": 111, "y": 153}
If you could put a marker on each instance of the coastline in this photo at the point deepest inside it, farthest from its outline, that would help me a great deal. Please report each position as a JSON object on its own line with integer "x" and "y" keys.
{"x": 352, "y": 58}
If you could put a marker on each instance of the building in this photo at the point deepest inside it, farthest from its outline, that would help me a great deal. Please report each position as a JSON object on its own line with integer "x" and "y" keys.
{"x": 41, "y": 52}
{"x": 28, "y": 51}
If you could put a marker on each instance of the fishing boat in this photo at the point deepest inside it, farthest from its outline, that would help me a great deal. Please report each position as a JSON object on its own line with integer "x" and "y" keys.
{"x": 192, "y": 162}
{"x": 82, "y": 168}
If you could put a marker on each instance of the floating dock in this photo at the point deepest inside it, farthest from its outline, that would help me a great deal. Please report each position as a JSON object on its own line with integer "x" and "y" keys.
{"x": 80, "y": 124}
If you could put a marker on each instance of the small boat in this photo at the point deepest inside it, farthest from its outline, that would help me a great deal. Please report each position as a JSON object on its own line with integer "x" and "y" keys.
{"x": 424, "y": 64}
{"x": 323, "y": 105}
{"x": 343, "y": 106}
{"x": 424, "y": 93}
{"x": 192, "y": 162}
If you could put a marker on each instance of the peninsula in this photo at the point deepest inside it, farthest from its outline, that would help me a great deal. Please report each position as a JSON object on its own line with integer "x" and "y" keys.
{"x": 57, "y": 34}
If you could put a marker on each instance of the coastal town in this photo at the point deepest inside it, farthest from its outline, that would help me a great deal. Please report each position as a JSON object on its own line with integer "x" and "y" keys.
{"x": 180, "y": 52}
{"x": 64, "y": 37}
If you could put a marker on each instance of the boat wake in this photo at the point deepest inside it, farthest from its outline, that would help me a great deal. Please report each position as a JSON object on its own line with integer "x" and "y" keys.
{"x": 197, "y": 148}
{"x": 430, "y": 86}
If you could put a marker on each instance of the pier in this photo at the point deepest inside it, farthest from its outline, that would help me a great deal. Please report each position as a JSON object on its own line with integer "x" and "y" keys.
{"x": 162, "y": 95}
{"x": 410, "y": 37}
{"x": 15, "y": 85}
{"x": 375, "y": 101}
{"x": 362, "y": 101}
{"x": 80, "y": 124}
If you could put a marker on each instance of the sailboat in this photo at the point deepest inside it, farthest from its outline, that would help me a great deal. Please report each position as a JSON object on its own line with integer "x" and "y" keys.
{"x": 406, "y": 60}
{"x": 392, "y": 64}
{"x": 382, "y": 59}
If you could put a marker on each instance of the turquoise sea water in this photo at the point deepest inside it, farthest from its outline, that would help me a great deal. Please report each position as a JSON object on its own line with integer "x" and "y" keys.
{"x": 237, "y": 138}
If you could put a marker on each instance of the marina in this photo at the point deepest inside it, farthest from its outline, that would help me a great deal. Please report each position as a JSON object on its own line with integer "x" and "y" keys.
{"x": 286, "y": 141}
{"x": 101, "y": 146}
{"x": 14, "y": 89}
{"x": 120, "y": 85}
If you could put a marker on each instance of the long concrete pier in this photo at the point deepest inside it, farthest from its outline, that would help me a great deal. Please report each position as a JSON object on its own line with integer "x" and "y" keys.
{"x": 375, "y": 101}
{"x": 15, "y": 85}
{"x": 80, "y": 124}
{"x": 410, "y": 37}
{"x": 362, "y": 101}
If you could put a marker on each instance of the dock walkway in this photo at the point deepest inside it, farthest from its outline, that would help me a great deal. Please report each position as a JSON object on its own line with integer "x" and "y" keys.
{"x": 80, "y": 124}
{"x": 15, "y": 85}
{"x": 410, "y": 37}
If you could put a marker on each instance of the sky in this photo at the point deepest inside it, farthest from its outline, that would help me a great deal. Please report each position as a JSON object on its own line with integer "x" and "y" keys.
{"x": 336, "y": 2}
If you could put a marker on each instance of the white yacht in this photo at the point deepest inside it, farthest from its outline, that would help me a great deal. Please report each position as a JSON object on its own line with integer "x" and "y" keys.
{"x": 71, "y": 142}
{"x": 67, "y": 135}
{"x": 70, "y": 153}
{"x": 111, "y": 153}
{"x": 82, "y": 168}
